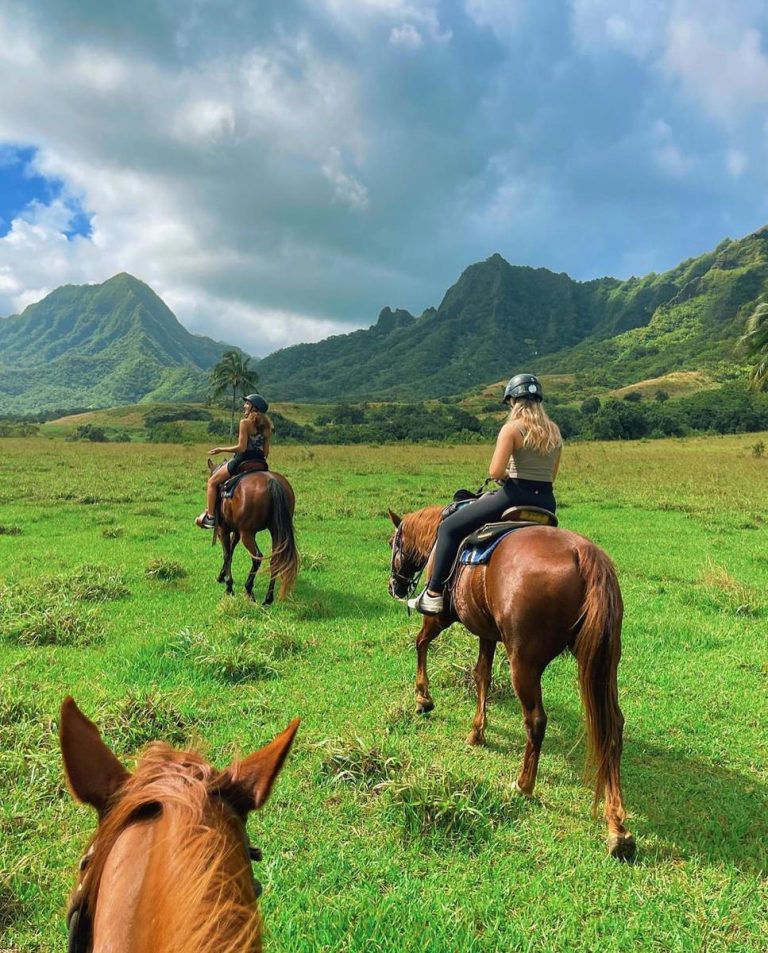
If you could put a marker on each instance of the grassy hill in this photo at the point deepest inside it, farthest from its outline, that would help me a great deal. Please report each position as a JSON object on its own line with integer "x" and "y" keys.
{"x": 98, "y": 346}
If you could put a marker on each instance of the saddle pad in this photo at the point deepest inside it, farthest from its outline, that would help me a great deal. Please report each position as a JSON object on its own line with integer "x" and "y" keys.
{"x": 478, "y": 547}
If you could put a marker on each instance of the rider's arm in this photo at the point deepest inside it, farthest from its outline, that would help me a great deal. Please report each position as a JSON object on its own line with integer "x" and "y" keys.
{"x": 242, "y": 442}
{"x": 509, "y": 438}
{"x": 557, "y": 464}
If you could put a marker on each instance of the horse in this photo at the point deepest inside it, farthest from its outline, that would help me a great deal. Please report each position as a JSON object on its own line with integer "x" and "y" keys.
{"x": 544, "y": 590}
{"x": 168, "y": 869}
{"x": 263, "y": 499}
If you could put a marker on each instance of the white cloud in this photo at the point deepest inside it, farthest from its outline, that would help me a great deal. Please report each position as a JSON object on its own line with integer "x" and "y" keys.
{"x": 719, "y": 63}
{"x": 634, "y": 27}
{"x": 347, "y": 189}
{"x": 406, "y": 36}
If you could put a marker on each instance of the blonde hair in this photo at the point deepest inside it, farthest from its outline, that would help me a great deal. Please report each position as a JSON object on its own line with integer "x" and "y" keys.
{"x": 263, "y": 425}
{"x": 539, "y": 432}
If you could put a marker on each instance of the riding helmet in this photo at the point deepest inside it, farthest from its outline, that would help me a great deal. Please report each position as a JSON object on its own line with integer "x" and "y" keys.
{"x": 523, "y": 385}
{"x": 258, "y": 402}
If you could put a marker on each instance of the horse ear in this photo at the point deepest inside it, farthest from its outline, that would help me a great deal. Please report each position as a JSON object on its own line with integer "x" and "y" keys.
{"x": 395, "y": 518}
{"x": 211, "y": 465}
{"x": 250, "y": 781}
{"x": 93, "y": 772}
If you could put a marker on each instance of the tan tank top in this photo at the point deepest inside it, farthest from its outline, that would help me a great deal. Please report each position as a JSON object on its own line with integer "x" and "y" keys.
{"x": 528, "y": 464}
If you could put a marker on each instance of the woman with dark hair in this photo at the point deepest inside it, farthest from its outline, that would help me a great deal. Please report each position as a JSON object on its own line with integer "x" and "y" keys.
{"x": 525, "y": 463}
{"x": 254, "y": 438}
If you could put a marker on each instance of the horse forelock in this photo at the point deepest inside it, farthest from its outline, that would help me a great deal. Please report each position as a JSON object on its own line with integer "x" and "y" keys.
{"x": 202, "y": 907}
{"x": 420, "y": 529}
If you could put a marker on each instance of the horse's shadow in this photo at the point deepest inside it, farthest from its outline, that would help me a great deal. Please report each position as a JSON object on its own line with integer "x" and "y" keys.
{"x": 311, "y": 601}
{"x": 680, "y": 806}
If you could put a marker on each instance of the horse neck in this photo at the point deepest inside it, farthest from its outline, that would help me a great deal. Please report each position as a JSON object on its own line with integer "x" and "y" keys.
{"x": 420, "y": 530}
{"x": 170, "y": 886}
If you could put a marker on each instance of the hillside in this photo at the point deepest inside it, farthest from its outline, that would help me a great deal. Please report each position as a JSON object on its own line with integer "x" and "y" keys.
{"x": 99, "y": 346}
{"x": 499, "y": 317}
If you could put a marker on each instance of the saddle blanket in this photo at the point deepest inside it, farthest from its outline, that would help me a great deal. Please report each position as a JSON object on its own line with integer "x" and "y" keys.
{"x": 227, "y": 489}
{"x": 478, "y": 547}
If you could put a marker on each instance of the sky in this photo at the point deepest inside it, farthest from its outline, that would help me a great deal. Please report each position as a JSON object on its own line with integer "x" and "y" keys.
{"x": 279, "y": 171}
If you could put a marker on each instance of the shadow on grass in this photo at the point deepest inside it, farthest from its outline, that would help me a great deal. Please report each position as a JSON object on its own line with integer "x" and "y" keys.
{"x": 687, "y": 807}
{"x": 325, "y": 602}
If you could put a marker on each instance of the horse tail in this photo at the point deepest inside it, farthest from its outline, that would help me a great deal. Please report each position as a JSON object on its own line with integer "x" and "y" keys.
{"x": 284, "y": 561}
{"x": 598, "y": 649}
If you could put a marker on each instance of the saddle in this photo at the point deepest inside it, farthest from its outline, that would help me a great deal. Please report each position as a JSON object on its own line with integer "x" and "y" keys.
{"x": 228, "y": 487}
{"x": 477, "y": 548}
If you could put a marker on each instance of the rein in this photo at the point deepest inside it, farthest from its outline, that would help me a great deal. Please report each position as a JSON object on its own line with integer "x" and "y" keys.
{"x": 79, "y": 916}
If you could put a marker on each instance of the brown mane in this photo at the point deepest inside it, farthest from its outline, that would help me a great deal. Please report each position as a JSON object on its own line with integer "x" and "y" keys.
{"x": 420, "y": 530}
{"x": 203, "y": 831}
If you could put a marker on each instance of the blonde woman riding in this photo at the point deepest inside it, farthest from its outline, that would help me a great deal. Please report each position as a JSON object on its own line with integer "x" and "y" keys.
{"x": 254, "y": 438}
{"x": 525, "y": 463}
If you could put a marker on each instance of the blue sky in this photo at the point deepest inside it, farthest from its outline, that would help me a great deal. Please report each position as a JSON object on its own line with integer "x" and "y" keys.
{"x": 279, "y": 171}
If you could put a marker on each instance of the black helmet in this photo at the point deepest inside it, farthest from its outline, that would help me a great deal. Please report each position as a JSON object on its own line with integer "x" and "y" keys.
{"x": 258, "y": 402}
{"x": 523, "y": 385}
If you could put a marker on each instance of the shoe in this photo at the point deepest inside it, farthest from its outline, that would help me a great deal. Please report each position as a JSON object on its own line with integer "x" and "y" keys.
{"x": 204, "y": 521}
{"x": 426, "y": 604}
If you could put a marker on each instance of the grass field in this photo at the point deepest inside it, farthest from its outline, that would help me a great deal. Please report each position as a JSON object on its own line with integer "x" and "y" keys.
{"x": 385, "y": 832}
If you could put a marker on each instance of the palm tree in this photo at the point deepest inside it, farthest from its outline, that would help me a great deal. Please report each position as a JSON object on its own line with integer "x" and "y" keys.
{"x": 755, "y": 343}
{"x": 232, "y": 372}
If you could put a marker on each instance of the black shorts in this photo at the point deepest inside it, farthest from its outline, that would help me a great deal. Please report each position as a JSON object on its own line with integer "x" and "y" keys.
{"x": 233, "y": 464}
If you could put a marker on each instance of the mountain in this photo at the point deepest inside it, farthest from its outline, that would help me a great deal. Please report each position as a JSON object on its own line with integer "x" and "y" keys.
{"x": 499, "y": 318}
{"x": 99, "y": 346}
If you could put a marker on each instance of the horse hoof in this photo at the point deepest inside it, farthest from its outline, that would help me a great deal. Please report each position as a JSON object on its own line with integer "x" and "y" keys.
{"x": 475, "y": 739}
{"x": 622, "y": 846}
{"x": 424, "y": 706}
{"x": 518, "y": 790}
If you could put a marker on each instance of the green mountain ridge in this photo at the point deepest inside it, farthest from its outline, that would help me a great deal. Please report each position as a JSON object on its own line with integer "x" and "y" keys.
{"x": 499, "y": 318}
{"x": 99, "y": 346}
{"x": 117, "y": 343}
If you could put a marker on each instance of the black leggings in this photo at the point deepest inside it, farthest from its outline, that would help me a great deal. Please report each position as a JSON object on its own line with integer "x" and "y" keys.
{"x": 488, "y": 508}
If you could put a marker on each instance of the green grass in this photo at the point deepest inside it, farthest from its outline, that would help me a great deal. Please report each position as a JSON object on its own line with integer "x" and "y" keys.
{"x": 385, "y": 832}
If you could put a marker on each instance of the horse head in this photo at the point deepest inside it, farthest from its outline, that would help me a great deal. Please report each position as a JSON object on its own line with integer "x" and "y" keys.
{"x": 169, "y": 866}
{"x": 411, "y": 544}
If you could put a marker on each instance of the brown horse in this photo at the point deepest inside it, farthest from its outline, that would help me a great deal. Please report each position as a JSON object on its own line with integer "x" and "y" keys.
{"x": 169, "y": 867}
{"x": 262, "y": 500}
{"x": 544, "y": 590}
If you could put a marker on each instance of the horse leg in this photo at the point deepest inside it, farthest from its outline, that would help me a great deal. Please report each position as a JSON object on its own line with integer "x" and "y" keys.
{"x": 269, "y": 598}
{"x": 483, "y": 671}
{"x": 431, "y": 627}
{"x": 233, "y": 541}
{"x": 226, "y": 567}
{"x": 249, "y": 541}
{"x": 526, "y": 679}
{"x": 621, "y": 844}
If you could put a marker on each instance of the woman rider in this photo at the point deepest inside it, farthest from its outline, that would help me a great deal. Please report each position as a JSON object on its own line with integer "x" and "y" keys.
{"x": 525, "y": 463}
{"x": 253, "y": 443}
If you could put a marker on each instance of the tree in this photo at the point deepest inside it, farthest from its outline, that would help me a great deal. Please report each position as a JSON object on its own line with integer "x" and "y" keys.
{"x": 755, "y": 343}
{"x": 232, "y": 372}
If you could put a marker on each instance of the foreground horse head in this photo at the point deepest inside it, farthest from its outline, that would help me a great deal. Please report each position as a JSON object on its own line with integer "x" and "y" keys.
{"x": 544, "y": 590}
{"x": 263, "y": 500}
{"x": 169, "y": 867}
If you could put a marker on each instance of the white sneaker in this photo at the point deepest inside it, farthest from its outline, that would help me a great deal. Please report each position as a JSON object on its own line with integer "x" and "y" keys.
{"x": 426, "y": 604}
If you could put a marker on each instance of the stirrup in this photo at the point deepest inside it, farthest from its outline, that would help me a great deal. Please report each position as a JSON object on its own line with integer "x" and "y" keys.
{"x": 204, "y": 521}
{"x": 426, "y": 604}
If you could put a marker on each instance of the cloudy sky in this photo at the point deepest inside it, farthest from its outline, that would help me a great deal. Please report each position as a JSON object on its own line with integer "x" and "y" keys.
{"x": 280, "y": 170}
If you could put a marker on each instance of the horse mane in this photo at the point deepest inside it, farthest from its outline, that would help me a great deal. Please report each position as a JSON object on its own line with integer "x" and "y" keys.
{"x": 196, "y": 896}
{"x": 420, "y": 530}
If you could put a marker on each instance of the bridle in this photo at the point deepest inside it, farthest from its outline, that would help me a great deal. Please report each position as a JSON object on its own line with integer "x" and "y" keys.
{"x": 80, "y": 917}
{"x": 409, "y": 580}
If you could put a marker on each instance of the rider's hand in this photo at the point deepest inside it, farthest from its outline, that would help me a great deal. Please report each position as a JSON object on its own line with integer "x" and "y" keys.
{"x": 214, "y": 451}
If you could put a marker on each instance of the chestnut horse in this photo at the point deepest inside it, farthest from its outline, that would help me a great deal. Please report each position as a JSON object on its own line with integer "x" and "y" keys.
{"x": 169, "y": 867}
{"x": 543, "y": 590}
{"x": 262, "y": 500}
